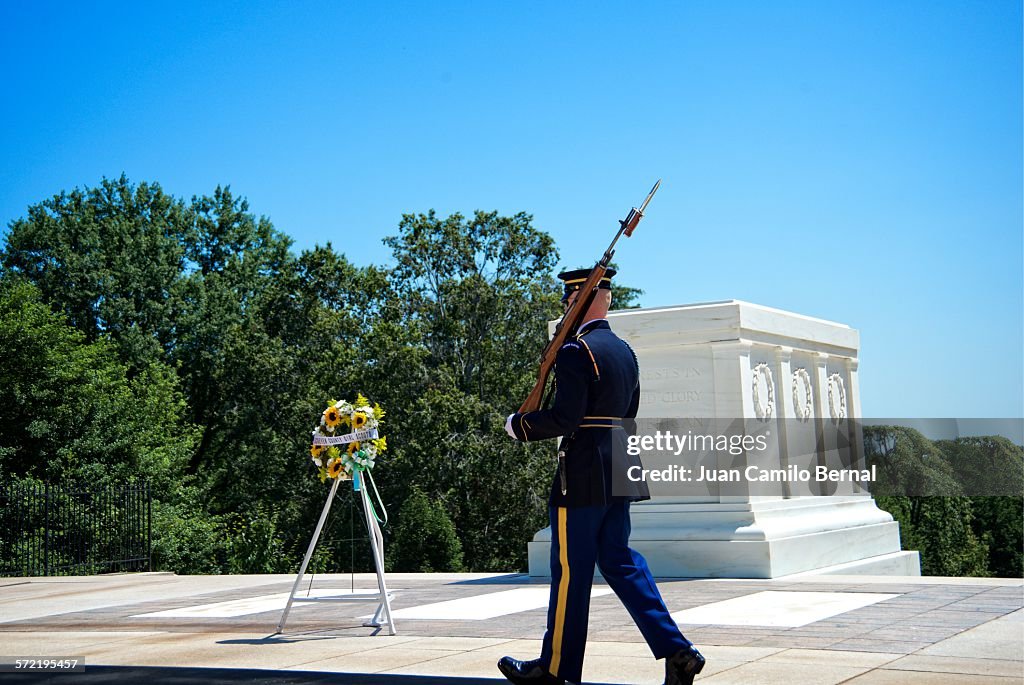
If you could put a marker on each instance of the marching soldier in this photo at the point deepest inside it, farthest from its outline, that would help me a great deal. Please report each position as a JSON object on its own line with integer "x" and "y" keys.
{"x": 597, "y": 393}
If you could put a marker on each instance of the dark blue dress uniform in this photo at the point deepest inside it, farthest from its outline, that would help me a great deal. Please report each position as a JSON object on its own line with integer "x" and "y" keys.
{"x": 597, "y": 392}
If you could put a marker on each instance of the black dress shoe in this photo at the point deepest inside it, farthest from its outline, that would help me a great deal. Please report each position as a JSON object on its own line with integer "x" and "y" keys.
{"x": 526, "y": 672}
{"x": 681, "y": 667}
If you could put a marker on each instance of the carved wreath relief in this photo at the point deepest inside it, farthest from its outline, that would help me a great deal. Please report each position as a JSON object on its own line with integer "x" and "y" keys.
{"x": 836, "y": 397}
{"x": 763, "y": 410}
{"x": 802, "y": 379}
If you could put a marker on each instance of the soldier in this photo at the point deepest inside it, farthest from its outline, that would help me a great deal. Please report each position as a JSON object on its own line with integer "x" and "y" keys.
{"x": 597, "y": 393}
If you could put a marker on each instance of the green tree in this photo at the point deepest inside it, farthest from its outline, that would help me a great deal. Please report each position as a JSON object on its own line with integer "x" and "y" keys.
{"x": 940, "y": 529}
{"x": 475, "y": 295}
{"x": 991, "y": 470}
{"x": 215, "y": 292}
{"x": 985, "y": 465}
{"x": 109, "y": 258}
{"x": 68, "y": 410}
{"x": 1000, "y": 522}
{"x": 480, "y": 291}
{"x": 424, "y": 537}
{"x": 255, "y": 543}
{"x": 70, "y": 415}
{"x": 918, "y": 487}
{"x": 908, "y": 463}
{"x": 187, "y": 539}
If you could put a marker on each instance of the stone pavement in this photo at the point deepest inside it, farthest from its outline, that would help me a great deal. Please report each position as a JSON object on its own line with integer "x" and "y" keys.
{"x": 160, "y": 628}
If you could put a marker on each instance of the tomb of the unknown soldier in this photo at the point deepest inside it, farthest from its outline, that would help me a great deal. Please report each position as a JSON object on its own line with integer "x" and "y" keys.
{"x": 713, "y": 363}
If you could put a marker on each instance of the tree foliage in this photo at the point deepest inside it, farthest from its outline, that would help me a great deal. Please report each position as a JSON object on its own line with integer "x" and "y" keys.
{"x": 425, "y": 539}
{"x": 68, "y": 409}
{"x": 202, "y": 308}
{"x": 473, "y": 297}
{"x": 991, "y": 469}
{"x": 922, "y": 484}
{"x": 109, "y": 258}
{"x": 480, "y": 291}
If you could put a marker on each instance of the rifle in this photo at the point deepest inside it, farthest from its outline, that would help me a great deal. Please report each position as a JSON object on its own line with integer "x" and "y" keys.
{"x": 573, "y": 317}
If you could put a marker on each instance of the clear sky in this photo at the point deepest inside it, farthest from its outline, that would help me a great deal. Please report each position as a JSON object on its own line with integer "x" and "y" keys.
{"x": 854, "y": 161}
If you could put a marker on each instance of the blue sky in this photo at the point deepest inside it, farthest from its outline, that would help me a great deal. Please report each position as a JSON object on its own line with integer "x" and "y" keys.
{"x": 860, "y": 162}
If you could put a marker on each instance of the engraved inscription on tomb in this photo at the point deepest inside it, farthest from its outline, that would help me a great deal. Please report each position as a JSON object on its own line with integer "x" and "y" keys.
{"x": 669, "y": 373}
{"x": 670, "y": 396}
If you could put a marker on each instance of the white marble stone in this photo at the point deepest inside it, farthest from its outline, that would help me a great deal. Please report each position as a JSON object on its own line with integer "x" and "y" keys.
{"x": 793, "y": 375}
{"x": 489, "y": 605}
{"x": 776, "y": 608}
{"x": 243, "y": 607}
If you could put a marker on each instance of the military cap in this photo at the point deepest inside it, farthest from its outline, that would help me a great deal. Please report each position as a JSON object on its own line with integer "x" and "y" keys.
{"x": 574, "y": 280}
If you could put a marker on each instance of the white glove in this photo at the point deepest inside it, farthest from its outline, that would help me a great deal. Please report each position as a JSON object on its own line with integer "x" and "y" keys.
{"x": 508, "y": 427}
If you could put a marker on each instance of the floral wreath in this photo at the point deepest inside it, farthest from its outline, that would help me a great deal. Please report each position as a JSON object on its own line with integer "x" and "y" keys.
{"x": 337, "y": 454}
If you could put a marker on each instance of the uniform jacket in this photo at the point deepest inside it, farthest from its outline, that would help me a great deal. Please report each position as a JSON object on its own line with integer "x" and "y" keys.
{"x": 596, "y": 375}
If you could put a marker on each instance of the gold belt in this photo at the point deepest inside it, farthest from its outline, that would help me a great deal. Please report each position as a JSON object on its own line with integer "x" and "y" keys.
{"x": 601, "y": 422}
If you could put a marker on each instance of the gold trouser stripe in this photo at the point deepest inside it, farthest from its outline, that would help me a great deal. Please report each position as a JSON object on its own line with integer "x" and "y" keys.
{"x": 563, "y": 593}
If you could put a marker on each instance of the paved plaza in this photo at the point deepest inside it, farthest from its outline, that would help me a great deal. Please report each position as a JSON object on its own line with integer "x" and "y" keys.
{"x": 161, "y": 628}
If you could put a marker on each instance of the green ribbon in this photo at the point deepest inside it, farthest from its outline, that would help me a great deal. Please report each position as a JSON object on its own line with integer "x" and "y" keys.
{"x": 357, "y": 470}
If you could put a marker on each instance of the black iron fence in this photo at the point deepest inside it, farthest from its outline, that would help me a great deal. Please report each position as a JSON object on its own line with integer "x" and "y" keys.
{"x": 55, "y": 531}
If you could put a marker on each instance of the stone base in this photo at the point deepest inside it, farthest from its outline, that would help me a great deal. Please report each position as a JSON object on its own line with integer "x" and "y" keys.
{"x": 766, "y": 538}
{"x": 895, "y": 564}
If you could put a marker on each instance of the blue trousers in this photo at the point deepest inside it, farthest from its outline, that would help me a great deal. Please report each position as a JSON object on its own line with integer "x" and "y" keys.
{"x": 580, "y": 538}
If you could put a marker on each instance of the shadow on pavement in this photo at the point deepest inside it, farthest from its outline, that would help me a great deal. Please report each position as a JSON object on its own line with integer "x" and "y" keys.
{"x": 277, "y": 639}
{"x": 510, "y": 579}
{"x": 164, "y": 675}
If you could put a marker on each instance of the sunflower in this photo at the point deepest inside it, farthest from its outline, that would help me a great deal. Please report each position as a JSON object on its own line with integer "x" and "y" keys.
{"x": 332, "y": 417}
{"x": 358, "y": 420}
{"x": 334, "y": 468}
{"x": 316, "y": 451}
{"x": 353, "y": 447}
